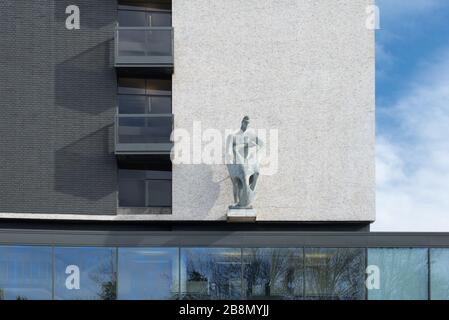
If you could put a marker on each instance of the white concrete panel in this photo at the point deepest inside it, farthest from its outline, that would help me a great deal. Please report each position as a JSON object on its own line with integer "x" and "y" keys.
{"x": 304, "y": 67}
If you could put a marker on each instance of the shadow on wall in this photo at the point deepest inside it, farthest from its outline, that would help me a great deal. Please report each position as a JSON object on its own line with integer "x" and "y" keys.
{"x": 84, "y": 85}
{"x": 89, "y": 12}
{"x": 206, "y": 191}
{"x": 87, "y": 167}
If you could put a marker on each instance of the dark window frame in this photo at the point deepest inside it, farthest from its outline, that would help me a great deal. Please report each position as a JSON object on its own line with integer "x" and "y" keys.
{"x": 146, "y": 190}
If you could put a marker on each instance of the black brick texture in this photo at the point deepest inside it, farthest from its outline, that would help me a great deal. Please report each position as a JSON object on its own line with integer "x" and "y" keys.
{"x": 57, "y": 107}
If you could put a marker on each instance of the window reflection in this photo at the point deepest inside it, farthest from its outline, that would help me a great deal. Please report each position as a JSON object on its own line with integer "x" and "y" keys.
{"x": 145, "y": 188}
{"x": 273, "y": 273}
{"x": 439, "y": 276}
{"x": 144, "y": 96}
{"x": 144, "y": 14}
{"x": 403, "y": 274}
{"x": 144, "y": 130}
{"x": 131, "y": 85}
{"x": 148, "y": 273}
{"x": 334, "y": 274}
{"x": 144, "y": 43}
{"x": 85, "y": 273}
{"x": 25, "y": 273}
{"x": 213, "y": 273}
{"x": 90, "y": 273}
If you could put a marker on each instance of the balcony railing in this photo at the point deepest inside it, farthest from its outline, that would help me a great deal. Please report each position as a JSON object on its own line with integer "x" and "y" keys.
{"x": 144, "y": 47}
{"x": 143, "y": 133}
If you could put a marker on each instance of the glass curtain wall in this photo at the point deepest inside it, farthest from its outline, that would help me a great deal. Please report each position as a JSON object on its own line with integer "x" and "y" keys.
{"x": 26, "y": 273}
{"x": 148, "y": 273}
{"x": 273, "y": 273}
{"x": 334, "y": 274}
{"x": 94, "y": 273}
{"x": 211, "y": 273}
{"x": 439, "y": 274}
{"x": 85, "y": 274}
{"x": 403, "y": 274}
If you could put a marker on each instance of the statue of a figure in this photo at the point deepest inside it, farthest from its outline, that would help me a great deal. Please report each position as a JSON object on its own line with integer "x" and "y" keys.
{"x": 242, "y": 149}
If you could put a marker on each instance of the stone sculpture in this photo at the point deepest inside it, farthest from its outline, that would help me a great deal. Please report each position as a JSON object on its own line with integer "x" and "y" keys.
{"x": 243, "y": 150}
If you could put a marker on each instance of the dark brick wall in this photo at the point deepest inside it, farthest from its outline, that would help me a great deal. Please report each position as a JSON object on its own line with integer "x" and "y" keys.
{"x": 57, "y": 106}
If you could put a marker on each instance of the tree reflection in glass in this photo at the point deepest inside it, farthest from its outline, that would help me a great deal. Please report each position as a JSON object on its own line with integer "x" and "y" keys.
{"x": 97, "y": 273}
{"x": 334, "y": 274}
{"x": 403, "y": 273}
{"x": 213, "y": 273}
{"x": 273, "y": 273}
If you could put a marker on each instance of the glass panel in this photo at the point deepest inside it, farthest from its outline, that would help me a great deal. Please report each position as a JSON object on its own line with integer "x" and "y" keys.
{"x": 85, "y": 273}
{"x": 141, "y": 15}
{"x": 160, "y": 19}
{"x": 160, "y": 104}
{"x": 334, "y": 274}
{"x": 402, "y": 274}
{"x": 142, "y": 96}
{"x": 159, "y": 86}
{"x": 273, "y": 273}
{"x": 133, "y": 104}
{"x": 158, "y": 193}
{"x": 25, "y": 273}
{"x": 136, "y": 104}
{"x": 148, "y": 273}
{"x": 131, "y": 85}
{"x": 439, "y": 276}
{"x": 211, "y": 273}
{"x": 144, "y": 129}
{"x": 139, "y": 43}
{"x": 128, "y": 18}
{"x": 145, "y": 188}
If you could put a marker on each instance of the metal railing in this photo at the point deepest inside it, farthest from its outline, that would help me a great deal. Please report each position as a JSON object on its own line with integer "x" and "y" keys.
{"x": 143, "y": 133}
{"x": 144, "y": 46}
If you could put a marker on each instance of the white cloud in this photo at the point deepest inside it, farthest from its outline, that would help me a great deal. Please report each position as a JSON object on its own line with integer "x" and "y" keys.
{"x": 413, "y": 160}
{"x": 384, "y": 60}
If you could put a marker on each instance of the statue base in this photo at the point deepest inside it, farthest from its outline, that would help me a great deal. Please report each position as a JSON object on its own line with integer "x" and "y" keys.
{"x": 236, "y": 214}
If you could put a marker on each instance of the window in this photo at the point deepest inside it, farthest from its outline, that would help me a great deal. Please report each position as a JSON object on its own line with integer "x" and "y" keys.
{"x": 334, "y": 274}
{"x": 403, "y": 274}
{"x": 85, "y": 273}
{"x": 148, "y": 14}
{"x": 273, "y": 273}
{"x": 145, "y": 188}
{"x": 439, "y": 274}
{"x": 150, "y": 187}
{"x": 144, "y": 96}
{"x": 213, "y": 273}
{"x": 148, "y": 273}
{"x": 25, "y": 273}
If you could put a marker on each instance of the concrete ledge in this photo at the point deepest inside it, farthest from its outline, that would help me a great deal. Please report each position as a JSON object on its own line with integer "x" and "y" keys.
{"x": 166, "y": 218}
{"x": 86, "y": 217}
{"x": 241, "y": 215}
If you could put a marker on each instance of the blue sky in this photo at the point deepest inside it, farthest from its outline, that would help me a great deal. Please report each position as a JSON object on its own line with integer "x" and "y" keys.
{"x": 412, "y": 101}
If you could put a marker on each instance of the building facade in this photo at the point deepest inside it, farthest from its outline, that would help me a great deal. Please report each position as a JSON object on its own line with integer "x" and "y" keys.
{"x": 113, "y": 181}
{"x": 89, "y": 137}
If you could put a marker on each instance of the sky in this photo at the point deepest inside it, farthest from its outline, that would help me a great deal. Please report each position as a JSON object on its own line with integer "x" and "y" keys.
{"x": 412, "y": 116}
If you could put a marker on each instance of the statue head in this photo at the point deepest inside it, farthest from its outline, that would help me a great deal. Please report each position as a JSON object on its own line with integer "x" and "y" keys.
{"x": 245, "y": 123}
